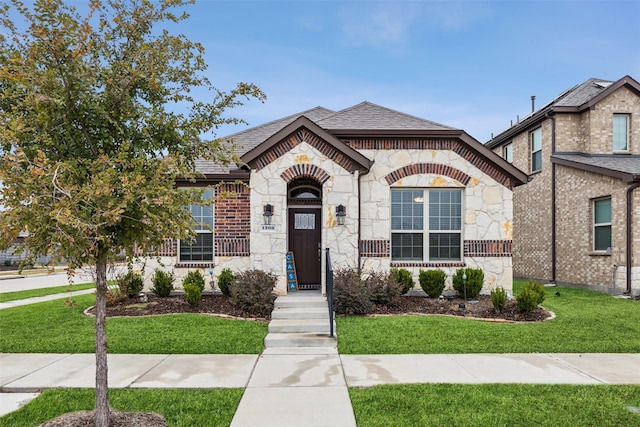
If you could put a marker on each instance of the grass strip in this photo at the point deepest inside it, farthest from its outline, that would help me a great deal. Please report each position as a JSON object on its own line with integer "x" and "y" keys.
{"x": 586, "y": 322}
{"x": 180, "y": 407}
{"x": 54, "y": 327}
{"x": 32, "y": 293}
{"x": 495, "y": 405}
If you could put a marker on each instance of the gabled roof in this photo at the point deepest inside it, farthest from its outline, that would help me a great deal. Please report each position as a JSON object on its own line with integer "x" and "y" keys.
{"x": 622, "y": 166}
{"x": 575, "y": 100}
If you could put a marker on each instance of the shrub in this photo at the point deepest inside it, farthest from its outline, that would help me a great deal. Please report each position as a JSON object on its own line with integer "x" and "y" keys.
{"x": 432, "y": 282}
{"x": 162, "y": 283}
{"x": 351, "y": 295}
{"x": 114, "y": 296}
{"x": 383, "y": 289}
{"x": 194, "y": 277}
{"x": 224, "y": 281}
{"x": 498, "y": 298}
{"x": 252, "y": 290}
{"x": 130, "y": 284}
{"x": 475, "y": 279}
{"x": 193, "y": 293}
{"x": 530, "y": 296}
{"x": 403, "y": 277}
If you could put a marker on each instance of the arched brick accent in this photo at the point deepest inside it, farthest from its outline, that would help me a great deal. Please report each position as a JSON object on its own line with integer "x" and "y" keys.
{"x": 432, "y": 168}
{"x": 305, "y": 169}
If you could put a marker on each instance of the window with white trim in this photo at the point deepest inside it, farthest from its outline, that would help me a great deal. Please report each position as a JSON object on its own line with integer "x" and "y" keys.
{"x": 535, "y": 138}
{"x": 434, "y": 235}
{"x": 201, "y": 248}
{"x": 620, "y": 132}
{"x": 602, "y": 224}
{"x": 507, "y": 152}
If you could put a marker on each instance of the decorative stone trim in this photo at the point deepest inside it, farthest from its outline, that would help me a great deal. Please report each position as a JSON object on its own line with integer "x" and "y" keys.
{"x": 444, "y": 264}
{"x": 169, "y": 248}
{"x": 375, "y": 248}
{"x": 232, "y": 247}
{"x": 432, "y": 144}
{"x": 193, "y": 265}
{"x": 488, "y": 248}
{"x": 305, "y": 169}
{"x": 303, "y": 134}
{"x": 430, "y": 168}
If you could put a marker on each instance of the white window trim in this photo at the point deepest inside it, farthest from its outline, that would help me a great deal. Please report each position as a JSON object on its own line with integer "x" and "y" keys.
{"x": 595, "y": 225}
{"x": 531, "y": 150}
{"x": 205, "y": 231}
{"x": 426, "y": 231}
{"x": 627, "y": 136}
{"x": 505, "y": 150}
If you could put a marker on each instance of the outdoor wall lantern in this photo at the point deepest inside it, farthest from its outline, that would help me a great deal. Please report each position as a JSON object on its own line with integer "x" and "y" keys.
{"x": 267, "y": 213}
{"x": 341, "y": 213}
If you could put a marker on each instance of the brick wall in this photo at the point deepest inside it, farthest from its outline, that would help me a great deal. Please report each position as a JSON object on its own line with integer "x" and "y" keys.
{"x": 232, "y": 216}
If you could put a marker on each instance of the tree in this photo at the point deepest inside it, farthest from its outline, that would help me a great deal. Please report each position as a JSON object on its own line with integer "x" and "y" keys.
{"x": 91, "y": 137}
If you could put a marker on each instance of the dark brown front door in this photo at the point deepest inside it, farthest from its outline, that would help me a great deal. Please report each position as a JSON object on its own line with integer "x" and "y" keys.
{"x": 304, "y": 242}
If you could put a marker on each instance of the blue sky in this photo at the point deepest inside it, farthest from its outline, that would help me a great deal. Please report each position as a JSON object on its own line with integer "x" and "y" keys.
{"x": 473, "y": 65}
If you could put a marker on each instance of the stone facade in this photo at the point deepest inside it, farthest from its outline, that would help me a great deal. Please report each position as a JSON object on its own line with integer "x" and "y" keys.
{"x": 585, "y": 128}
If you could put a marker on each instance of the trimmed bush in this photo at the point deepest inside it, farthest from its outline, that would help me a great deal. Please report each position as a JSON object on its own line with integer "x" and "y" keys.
{"x": 498, "y": 298}
{"x": 383, "y": 288}
{"x": 193, "y": 293}
{"x": 403, "y": 277}
{"x": 530, "y": 296}
{"x": 224, "y": 281}
{"x": 252, "y": 290}
{"x": 194, "y": 277}
{"x": 162, "y": 283}
{"x": 475, "y": 279}
{"x": 432, "y": 282}
{"x": 130, "y": 284}
{"x": 350, "y": 294}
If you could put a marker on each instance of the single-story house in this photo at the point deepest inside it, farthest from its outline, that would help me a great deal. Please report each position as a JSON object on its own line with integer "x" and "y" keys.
{"x": 377, "y": 187}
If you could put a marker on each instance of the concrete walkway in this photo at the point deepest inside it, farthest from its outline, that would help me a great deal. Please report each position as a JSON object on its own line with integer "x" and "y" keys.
{"x": 293, "y": 387}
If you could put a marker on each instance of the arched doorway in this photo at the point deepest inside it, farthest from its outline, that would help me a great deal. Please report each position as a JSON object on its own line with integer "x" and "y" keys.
{"x": 304, "y": 198}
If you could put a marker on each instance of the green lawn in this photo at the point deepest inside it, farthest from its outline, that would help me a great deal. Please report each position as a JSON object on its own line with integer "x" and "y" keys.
{"x": 52, "y": 327}
{"x": 495, "y": 405}
{"x": 586, "y": 322}
{"x": 180, "y": 407}
{"x": 31, "y": 293}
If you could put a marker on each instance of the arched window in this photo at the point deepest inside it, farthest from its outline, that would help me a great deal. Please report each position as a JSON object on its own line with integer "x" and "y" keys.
{"x": 304, "y": 191}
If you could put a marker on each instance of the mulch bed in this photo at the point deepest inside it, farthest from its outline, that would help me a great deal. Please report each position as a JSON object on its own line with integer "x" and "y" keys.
{"x": 116, "y": 419}
{"x": 480, "y": 308}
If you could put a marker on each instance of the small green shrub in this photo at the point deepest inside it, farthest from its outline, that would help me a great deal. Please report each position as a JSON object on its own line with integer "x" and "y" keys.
{"x": 193, "y": 294}
{"x": 350, "y": 294}
{"x": 475, "y": 280}
{"x": 224, "y": 281}
{"x": 252, "y": 290}
{"x": 403, "y": 277}
{"x": 383, "y": 289}
{"x": 432, "y": 282}
{"x": 194, "y": 277}
{"x": 162, "y": 283}
{"x": 498, "y": 298}
{"x": 530, "y": 296}
{"x": 130, "y": 284}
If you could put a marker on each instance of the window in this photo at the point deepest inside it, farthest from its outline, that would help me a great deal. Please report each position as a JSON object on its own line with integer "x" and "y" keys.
{"x": 200, "y": 249}
{"x": 620, "y": 132}
{"x": 507, "y": 152}
{"x": 602, "y": 224}
{"x": 434, "y": 236}
{"x": 536, "y": 150}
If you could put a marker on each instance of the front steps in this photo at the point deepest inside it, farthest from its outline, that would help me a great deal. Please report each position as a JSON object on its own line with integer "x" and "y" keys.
{"x": 300, "y": 321}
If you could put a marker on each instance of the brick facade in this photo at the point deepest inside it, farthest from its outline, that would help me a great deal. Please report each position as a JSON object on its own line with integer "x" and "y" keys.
{"x": 232, "y": 214}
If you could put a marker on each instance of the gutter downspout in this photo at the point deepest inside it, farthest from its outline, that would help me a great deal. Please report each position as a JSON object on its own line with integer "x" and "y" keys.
{"x": 359, "y": 221}
{"x": 551, "y": 117}
{"x": 629, "y": 247}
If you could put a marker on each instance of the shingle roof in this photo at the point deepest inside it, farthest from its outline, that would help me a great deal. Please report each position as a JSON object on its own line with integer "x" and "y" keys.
{"x": 625, "y": 167}
{"x": 582, "y": 93}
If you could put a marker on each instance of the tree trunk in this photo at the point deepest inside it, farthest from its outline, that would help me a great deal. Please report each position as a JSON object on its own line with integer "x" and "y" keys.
{"x": 102, "y": 397}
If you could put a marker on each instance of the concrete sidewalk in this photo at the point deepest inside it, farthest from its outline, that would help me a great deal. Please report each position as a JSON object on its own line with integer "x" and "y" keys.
{"x": 288, "y": 386}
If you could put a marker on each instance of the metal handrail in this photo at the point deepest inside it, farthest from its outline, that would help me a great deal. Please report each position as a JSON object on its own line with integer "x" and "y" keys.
{"x": 329, "y": 281}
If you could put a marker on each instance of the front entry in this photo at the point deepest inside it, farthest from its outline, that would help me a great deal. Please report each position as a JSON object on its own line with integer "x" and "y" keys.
{"x": 305, "y": 243}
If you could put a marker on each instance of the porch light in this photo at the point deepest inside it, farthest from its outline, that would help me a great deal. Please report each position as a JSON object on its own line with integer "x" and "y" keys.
{"x": 341, "y": 213}
{"x": 267, "y": 213}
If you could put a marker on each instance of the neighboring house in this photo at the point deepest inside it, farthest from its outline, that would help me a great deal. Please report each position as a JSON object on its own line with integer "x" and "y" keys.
{"x": 377, "y": 187}
{"x": 578, "y": 220}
